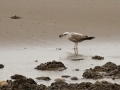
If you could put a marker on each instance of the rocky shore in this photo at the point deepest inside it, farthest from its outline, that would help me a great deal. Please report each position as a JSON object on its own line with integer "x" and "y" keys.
{"x": 30, "y": 84}
{"x": 108, "y": 70}
{"x": 51, "y": 66}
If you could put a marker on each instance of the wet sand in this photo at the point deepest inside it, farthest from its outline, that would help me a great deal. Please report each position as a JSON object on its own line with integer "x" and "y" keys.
{"x": 22, "y": 62}
{"x": 35, "y": 36}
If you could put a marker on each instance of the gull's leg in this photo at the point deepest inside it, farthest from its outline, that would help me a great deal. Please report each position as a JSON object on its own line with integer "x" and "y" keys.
{"x": 76, "y": 45}
{"x": 76, "y": 48}
{"x": 76, "y": 52}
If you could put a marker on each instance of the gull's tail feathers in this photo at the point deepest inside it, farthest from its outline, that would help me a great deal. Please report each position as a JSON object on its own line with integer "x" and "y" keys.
{"x": 89, "y": 38}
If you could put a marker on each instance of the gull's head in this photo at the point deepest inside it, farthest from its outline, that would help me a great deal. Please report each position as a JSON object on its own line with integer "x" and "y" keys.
{"x": 64, "y": 34}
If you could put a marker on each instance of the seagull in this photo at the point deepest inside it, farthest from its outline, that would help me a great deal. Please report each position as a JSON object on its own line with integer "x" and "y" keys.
{"x": 76, "y": 38}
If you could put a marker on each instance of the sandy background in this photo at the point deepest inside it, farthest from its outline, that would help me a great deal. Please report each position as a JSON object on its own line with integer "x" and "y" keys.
{"x": 35, "y": 35}
{"x": 44, "y": 20}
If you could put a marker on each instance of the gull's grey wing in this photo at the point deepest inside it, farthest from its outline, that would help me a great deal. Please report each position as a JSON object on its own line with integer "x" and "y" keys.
{"x": 76, "y": 37}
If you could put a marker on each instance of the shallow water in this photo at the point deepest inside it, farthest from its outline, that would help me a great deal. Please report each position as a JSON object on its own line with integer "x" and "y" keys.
{"x": 22, "y": 61}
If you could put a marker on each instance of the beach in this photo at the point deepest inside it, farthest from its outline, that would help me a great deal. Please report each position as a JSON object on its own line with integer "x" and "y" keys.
{"x": 35, "y": 36}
